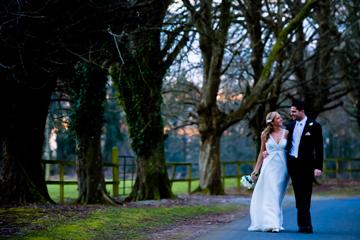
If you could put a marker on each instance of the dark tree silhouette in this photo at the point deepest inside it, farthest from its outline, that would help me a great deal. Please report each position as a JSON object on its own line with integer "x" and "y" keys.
{"x": 40, "y": 43}
{"x": 139, "y": 76}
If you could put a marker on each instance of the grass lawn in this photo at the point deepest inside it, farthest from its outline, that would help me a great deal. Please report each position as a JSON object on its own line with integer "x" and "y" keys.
{"x": 131, "y": 221}
{"x": 99, "y": 222}
{"x": 71, "y": 192}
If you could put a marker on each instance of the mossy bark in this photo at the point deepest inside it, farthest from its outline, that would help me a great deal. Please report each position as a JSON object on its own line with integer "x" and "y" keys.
{"x": 139, "y": 80}
{"x": 151, "y": 177}
{"x": 141, "y": 97}
{"x": 90, "y": 174}
{"x": 88, "y": 96}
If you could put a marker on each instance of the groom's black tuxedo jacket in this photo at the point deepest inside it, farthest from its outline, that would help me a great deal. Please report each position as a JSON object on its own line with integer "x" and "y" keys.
{"x": 311, "y": 152}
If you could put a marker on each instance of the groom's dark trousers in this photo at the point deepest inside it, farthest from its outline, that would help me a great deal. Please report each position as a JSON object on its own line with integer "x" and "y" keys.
{"x": 302, "y": 180}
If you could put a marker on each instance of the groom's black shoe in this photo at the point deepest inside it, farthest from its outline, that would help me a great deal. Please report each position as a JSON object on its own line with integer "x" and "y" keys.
{"x": 307, "y": 229}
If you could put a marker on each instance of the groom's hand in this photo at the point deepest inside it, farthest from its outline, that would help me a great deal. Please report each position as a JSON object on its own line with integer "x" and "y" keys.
{"x": 317, "y": 172}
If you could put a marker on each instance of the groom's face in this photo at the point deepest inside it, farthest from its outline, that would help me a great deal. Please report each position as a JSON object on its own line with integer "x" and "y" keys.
{"x": 296, "y": 114}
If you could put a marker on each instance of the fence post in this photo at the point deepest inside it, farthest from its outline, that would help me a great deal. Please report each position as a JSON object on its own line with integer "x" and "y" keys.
{"x": 238, "y": 174}
{"x": 223, "y": 166}
{"x": 190, "y": 177}
{"x": 350, "y": 168}
{"x": 115, "y": 170}
{"x": 173, "y": 171}
{"x": 61, "y": 173}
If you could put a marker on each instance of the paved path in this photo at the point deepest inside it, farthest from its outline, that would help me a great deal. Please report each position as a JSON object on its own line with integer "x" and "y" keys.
{"x": 333, "y": 219}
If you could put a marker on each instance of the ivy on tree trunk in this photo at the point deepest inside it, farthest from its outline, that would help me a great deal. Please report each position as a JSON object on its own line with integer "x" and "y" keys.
{"x": 139, "y": 80}
{"x": 140, "y": 93}
{"x": 88, "y": 96}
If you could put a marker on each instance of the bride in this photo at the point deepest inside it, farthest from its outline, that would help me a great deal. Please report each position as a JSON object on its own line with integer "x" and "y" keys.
{"x": 272, "y": 180}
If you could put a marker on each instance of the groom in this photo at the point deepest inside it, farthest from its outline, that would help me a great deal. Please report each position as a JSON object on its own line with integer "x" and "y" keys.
{"x": 304, "y": 159}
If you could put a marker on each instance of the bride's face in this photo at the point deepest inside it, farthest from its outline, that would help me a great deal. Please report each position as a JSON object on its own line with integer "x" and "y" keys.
{"x": 278, "y": 121}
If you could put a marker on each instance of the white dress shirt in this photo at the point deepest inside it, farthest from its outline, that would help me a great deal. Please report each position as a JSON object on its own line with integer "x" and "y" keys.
{"x": 298, "y": 130}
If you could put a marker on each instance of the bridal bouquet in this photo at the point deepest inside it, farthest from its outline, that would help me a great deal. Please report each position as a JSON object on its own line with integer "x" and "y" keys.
{"x": 247, "y": 181}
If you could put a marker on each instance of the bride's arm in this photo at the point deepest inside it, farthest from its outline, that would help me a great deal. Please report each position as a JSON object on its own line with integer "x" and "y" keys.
{"x": 260, "y": 158}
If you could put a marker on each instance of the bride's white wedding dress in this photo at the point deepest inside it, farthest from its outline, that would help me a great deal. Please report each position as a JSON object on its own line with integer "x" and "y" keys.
{"x": 270, "y": 188}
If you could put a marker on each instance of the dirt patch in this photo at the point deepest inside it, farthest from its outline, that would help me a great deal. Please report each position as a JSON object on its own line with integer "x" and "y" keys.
{"x": 338, "y": 186}
{"x": 190, "y": 229}
{"x": 191, "y": 200}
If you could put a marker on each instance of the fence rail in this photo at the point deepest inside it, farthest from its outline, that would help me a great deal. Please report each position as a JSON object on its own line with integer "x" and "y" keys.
{"x": 333, "y": 167}
{"x": 188, "y": 177}
{"x": 338, "y": 167}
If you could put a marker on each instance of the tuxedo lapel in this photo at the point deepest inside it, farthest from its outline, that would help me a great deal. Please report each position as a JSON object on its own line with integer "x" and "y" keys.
{"x": 292, "y": 127}
{"x": 305, "y": 129}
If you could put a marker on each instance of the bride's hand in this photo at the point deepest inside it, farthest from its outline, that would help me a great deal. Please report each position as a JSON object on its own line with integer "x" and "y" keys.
{"x": 254, "y": 175}
{"x": 317, "y": 173}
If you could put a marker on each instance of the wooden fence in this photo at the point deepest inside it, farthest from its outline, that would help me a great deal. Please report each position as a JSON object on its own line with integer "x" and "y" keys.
{"x": 342, "y": 168}
{"x": 333, "y": 167}
{"x": 188, "y": 177}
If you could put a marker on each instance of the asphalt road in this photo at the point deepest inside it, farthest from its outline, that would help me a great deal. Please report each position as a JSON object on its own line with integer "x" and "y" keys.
{"x": 333, "y": 219}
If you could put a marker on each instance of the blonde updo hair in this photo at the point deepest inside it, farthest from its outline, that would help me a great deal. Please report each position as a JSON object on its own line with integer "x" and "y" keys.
{"x": 269, "y": 124}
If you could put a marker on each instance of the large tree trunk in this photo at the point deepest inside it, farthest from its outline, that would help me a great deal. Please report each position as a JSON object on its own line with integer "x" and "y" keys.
{"x": 152, "y": 181}
{"x": 140, "y": 84}
{"x": 151, "y": 177}
{"x": 209, "y": 159}
{"x": 142, "y": 105}
{"x": 212, "y": 45}
{"x": 143, "y": 114}
{"x": 22, "y": 135}
{"x": 90, "y": 173}
{"x": 88, "y": 95}
{"x": 209, "y": 165}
